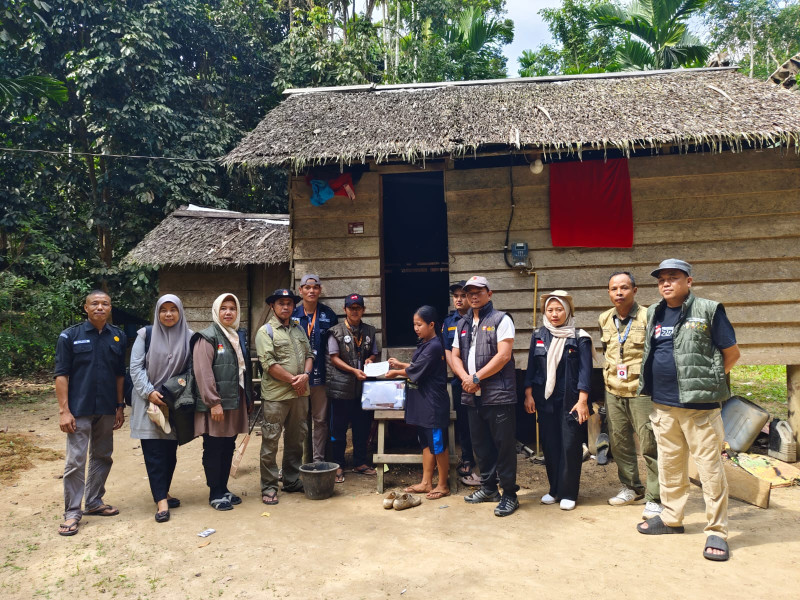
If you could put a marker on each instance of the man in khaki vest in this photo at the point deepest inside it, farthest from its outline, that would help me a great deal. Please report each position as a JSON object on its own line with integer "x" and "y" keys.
{"x": 623, "y": 333}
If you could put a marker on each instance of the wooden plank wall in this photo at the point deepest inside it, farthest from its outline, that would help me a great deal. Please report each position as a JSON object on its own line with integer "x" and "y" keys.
{"x": 198, "y": 287}
{"x": 735, "y": 217}
{"x": 322, "y": 245}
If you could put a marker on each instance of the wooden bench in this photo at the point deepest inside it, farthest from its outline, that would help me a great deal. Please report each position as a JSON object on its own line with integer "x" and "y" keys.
{"x": 382, "y": 417}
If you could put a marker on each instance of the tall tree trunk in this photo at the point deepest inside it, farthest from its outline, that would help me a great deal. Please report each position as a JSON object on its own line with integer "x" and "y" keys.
{"x": 752, "y": 48}
{"x": 397, "y": 42}
{"x": 385, "y": 42}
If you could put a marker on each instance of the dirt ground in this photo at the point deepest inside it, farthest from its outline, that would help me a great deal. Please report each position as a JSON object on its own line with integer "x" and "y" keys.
{"x": 349, "y": 547}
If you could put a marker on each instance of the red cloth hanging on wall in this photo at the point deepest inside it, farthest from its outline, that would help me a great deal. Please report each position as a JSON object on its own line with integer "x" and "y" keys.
{"x": 590, "y": 204}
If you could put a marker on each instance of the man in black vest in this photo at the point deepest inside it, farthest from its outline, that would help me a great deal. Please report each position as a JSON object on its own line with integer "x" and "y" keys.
{"x": 483, "y": 361}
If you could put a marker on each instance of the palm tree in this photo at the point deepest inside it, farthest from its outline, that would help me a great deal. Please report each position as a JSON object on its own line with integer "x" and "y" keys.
{"x": 658, "y": 34}
{"x": 474, "y": 30}
{"x": 32, "y": 86}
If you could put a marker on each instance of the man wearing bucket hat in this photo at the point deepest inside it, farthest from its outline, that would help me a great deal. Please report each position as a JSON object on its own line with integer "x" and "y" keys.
{"x": 286, "y": 361}
{"x": 623, "y": 329}
{"x": 689, "y": 347}
{"x": 316, "y": 318}
{"x": 483, "y": 360}
{"x": 449, "y": 328}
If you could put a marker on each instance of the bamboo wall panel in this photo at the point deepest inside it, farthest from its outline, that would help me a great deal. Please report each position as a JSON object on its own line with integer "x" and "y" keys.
{"x": 735, "y": 217}
{"x": 321, "y": 244}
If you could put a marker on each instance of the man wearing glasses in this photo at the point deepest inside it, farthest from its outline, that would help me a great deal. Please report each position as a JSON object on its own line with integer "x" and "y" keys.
{"x": 483, "y": 361}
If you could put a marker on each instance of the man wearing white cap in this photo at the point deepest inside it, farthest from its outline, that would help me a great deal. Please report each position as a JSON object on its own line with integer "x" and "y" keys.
{"x": 483, "y": 360}
{"x": 689, "y": 347}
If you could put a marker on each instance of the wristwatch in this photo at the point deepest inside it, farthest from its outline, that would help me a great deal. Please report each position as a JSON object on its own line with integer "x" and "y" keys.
{"x": 120, "y": 406}
{"x": 475, "y": 379}
{"x": 308, "y": 374}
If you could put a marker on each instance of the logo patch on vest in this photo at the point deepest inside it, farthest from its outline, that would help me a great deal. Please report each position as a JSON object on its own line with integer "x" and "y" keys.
{"x": 696, "y": 323}
{"x": 220, "y": 349}
{"x": 347, "y": 339}
{"x": 76, "y": 342}
{"x": 540, "y": 343}
{"x": 488, "y": 328}
{"x": 463, "y": 332}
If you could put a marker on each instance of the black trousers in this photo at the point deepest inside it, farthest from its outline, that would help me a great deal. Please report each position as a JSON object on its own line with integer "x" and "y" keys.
{"x": 217, "y": 459}
{"x": 493, "y": 431}
{"x": 562, "y": 440}
{"x": 462, "y": 423}
{"x": 160, "y": 458}
{"x": 344, "y": 413}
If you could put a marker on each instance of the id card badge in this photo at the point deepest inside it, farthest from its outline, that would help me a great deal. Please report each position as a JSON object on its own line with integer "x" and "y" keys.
{"x": 622, "y": 372}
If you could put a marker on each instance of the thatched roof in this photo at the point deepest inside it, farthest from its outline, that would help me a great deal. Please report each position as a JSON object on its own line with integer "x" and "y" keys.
{"x": 197, "y": 236}
{"x": 549, "y": 114}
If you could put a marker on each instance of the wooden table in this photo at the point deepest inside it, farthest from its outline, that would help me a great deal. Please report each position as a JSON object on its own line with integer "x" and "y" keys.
{"x": 382, "y": 417}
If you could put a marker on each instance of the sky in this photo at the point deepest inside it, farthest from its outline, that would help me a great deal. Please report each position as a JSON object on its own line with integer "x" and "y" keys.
{"x": 530, "y": 30}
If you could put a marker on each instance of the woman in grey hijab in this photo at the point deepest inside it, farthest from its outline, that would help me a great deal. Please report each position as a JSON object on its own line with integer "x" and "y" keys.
{"x": 166, "y": 356}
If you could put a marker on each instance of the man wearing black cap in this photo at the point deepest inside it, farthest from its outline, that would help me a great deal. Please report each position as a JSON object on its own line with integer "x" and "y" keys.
{"x": 689, "y": 347}
{"x": 315, "y": 318}
{"x": 286, "y": 361}
{"x": 352, "y": 344}
{"x": 449, "y": 327}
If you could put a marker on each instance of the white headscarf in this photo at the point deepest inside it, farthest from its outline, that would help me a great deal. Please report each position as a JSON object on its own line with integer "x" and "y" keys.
{"x": 560, "y": 336}
{"x": 230, "y": 332}
{"x": 169, "y": 346}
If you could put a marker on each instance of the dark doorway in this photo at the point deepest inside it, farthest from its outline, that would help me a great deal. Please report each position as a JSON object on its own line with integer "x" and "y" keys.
{"x": 415, "y": 259}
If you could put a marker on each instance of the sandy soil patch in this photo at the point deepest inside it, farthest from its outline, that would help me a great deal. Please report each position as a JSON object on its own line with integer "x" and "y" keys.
{"x": 349, "y": 547}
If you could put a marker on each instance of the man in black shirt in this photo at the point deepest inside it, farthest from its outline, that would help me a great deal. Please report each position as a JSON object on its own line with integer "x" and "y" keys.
{"x": 690, "y": 346}
{"x": 89, "y": 374}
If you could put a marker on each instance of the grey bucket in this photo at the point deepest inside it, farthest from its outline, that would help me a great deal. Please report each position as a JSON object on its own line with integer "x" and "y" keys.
{"x": 318, "y": 479}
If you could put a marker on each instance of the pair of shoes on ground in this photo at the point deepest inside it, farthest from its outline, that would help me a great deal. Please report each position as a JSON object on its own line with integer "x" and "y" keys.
{"x": 162, "y": 516}
{"x": 656, "y": 526}
{"x": 400, "y": 501}
{"x": 365, "y": 470}
{"x": 564, "y": 504}
{"x": 506, "y": 504}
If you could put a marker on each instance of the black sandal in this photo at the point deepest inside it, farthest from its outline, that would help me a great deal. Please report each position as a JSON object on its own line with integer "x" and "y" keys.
{"x": 464, "y": 468}
{"x": 162, "y": 516}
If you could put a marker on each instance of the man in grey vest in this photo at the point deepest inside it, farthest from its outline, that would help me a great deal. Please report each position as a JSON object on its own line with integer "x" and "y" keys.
{"x": 689, "y": 347}
{"x": 483, "y": 360}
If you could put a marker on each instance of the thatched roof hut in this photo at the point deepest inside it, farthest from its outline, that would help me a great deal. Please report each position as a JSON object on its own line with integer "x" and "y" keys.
{"x": 203, "y": 252}
{"x": 566, "y": 114}
{"x": 447, "y": 179}
{"x": 214, "y": 238}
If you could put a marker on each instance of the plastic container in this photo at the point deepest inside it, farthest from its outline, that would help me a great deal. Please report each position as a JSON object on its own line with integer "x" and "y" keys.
{"x": 781, "y": 442}
{"x": 318, "y": 479}
{"x": 743, "y": 421}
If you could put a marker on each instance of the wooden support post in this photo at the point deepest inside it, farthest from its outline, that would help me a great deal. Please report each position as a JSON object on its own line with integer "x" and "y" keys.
{"x": 793, "y": 393}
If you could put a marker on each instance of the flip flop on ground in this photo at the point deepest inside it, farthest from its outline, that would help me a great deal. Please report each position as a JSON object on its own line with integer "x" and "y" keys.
{"x": 365, "y": 470}
{"x": 436, "y": 494}
{"x": 104, "y": 510}
{"x": 270, "y": 498}
{"x": 66, "y": 528}
{"x": 339, "y": 476}
{"x": 464, "y": 468}
{"x": 656, "y": 526}
{"x": 716, "y": 543}
{"x": 418, "y": 489}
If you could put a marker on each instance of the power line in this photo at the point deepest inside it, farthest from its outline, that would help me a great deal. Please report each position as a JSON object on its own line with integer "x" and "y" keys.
{"x": 71, "y": 153}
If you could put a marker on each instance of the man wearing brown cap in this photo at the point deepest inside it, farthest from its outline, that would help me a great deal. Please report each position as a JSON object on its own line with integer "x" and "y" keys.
{"x": 689, "y": 348}
{"x": 286, "y": 360}
{"x": 316, "y": 318}
{"x": 483, "y": 360}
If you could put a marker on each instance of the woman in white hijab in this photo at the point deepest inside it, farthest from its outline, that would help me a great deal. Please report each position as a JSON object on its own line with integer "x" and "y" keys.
{"x": 166, "y": 356}
{"x": 557, "y": 385}
{"x": 223, "y": 377}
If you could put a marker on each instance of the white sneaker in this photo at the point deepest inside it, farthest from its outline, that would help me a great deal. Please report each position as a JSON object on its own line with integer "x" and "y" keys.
{"x": 567, "y": 504}
{"x": 651, "y": 509}
{"x": 548, "y": 499}
{"x": 625, "y": 496}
